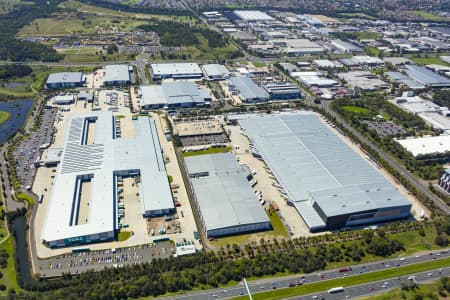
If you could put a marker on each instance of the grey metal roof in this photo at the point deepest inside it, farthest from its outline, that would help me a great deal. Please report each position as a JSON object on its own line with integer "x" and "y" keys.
{"x": 307, "y": 158}
{"x": 65, "y": 77}
{"x": 248, "y": 89}
{"x": 425, "y": 76}
{"x": 172, "y": 93}
{"x": 348, "y": 46}
{"x": 215, "y": 70}
{"x": 411, "y": 83}
{"x": 335, "y": 202}
{"x": 224, "y": 196}
{"x": 117, "y": 73}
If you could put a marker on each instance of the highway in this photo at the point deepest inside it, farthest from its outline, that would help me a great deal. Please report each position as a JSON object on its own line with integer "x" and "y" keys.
{"x": 377, "y": 287}
{"x": 262, "y": 285}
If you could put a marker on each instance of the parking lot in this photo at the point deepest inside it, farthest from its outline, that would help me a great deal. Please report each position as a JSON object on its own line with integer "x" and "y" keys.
{"x": 110, "y": 258}
{"x": 29, "y": 150}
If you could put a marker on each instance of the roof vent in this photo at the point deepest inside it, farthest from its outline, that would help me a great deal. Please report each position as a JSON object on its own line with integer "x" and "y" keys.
{"x": 343, "y": 205}
{"x": 367, "y": 202}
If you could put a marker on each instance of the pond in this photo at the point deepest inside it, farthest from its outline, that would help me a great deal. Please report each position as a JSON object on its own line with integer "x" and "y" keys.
{"x": 19, "y": 110}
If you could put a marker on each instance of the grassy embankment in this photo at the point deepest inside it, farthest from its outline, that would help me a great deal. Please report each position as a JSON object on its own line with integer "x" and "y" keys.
{"x": 208, "y": 151}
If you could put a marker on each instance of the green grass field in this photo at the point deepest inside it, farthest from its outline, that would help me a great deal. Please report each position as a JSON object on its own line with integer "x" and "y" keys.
{"x": 356, "y": 110}
{"x": 81, "y": 7}
{"x": 9, "y": 273}
{"x": 91, "y": 55}
{"x": 33, "y": 82}
{"x": 350, "y": 281}
{"x": 258, "y": 64}
{"x": 204, "y": 52}
{"x": 278, "y": 231}
{"x": 429, "y": 60}
{"x": 428, "y": 16}
{"x": 123, "y": 235}
{"x": 95, "y": 20}
{"x": 209, "y": 151}
{"x": 365, "y": 35}
{"x": 4, "y": 116}
{"x": 372, "y": 51}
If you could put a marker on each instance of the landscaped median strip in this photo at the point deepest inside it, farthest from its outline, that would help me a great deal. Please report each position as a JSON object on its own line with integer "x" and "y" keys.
{"x": 321, "y": 286}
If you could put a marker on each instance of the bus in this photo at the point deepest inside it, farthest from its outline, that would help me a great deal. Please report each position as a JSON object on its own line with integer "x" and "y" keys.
{"x": 336, "y": 290}
{"x": 80, "y": 249}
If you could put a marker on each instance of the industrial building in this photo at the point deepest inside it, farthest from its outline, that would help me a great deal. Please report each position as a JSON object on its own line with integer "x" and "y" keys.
{"x": 346, "y": 47}
{"x": 65, "y": 80}
{"x": 363, "y": 81}
{"x": 405, "y": 80}
{"x": 117, "y": 75}
{"x": 314, "y": 78}
{"x": 252, "y": 15}
{"x": 215, "y": 72}
{"x": 84, "y": 197}
{"x": 176, "y": 71}
{"x": 444, "y": 181}
{"x": 247, "y": 90}
{"x": 329, "y": 183}
{"x": 426, "y": 145}
{"x": 298, "y": 46}
{"x": 282, "y": 91}
{"x": 203, "y": 132}
{"x": 433, "y": 114}
{"x": 63, "y": 99}
{"x": 234, "y": 208}
{"x": 426, "y": 77}
{"x": 171, "y": 95}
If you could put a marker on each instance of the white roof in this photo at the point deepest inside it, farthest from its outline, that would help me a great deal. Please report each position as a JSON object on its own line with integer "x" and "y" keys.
{"x": 365, "y": 59}
{"x": 101, "y": 160}
{"x": 175, "y": 69}
{"x": 436, "y": 120}
{"x": 172, "y": 93}
{"x": 215, "y": 70}
{"x": 253, "y": 15}
{"x": 426, "y": 145}
{"x": 416, "y": 104}
{"x": 324, "y": 63}
{"x": 115, "y": 73}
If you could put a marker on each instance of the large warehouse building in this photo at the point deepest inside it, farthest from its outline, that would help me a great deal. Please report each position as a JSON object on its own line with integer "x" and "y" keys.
{"x": 233, "y": 208}
{"x": 247, "y": 90}
{"x": 171, "y": 95}
{"x": 176, "y": 71}
{"x": 64, "y": 80}
{"x": 330, "y": 185}
{"x": 83, "y": 202}
{"x": 117, "y": 75}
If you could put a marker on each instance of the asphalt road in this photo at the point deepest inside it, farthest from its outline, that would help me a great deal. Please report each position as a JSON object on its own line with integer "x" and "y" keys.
{"x": 283, "y": 282}
{"x": 376, "y": 287}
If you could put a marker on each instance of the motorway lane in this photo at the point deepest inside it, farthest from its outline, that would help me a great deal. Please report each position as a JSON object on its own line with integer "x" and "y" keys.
{"x": 377, "y": 287}
{"x": 283, "y": 282}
